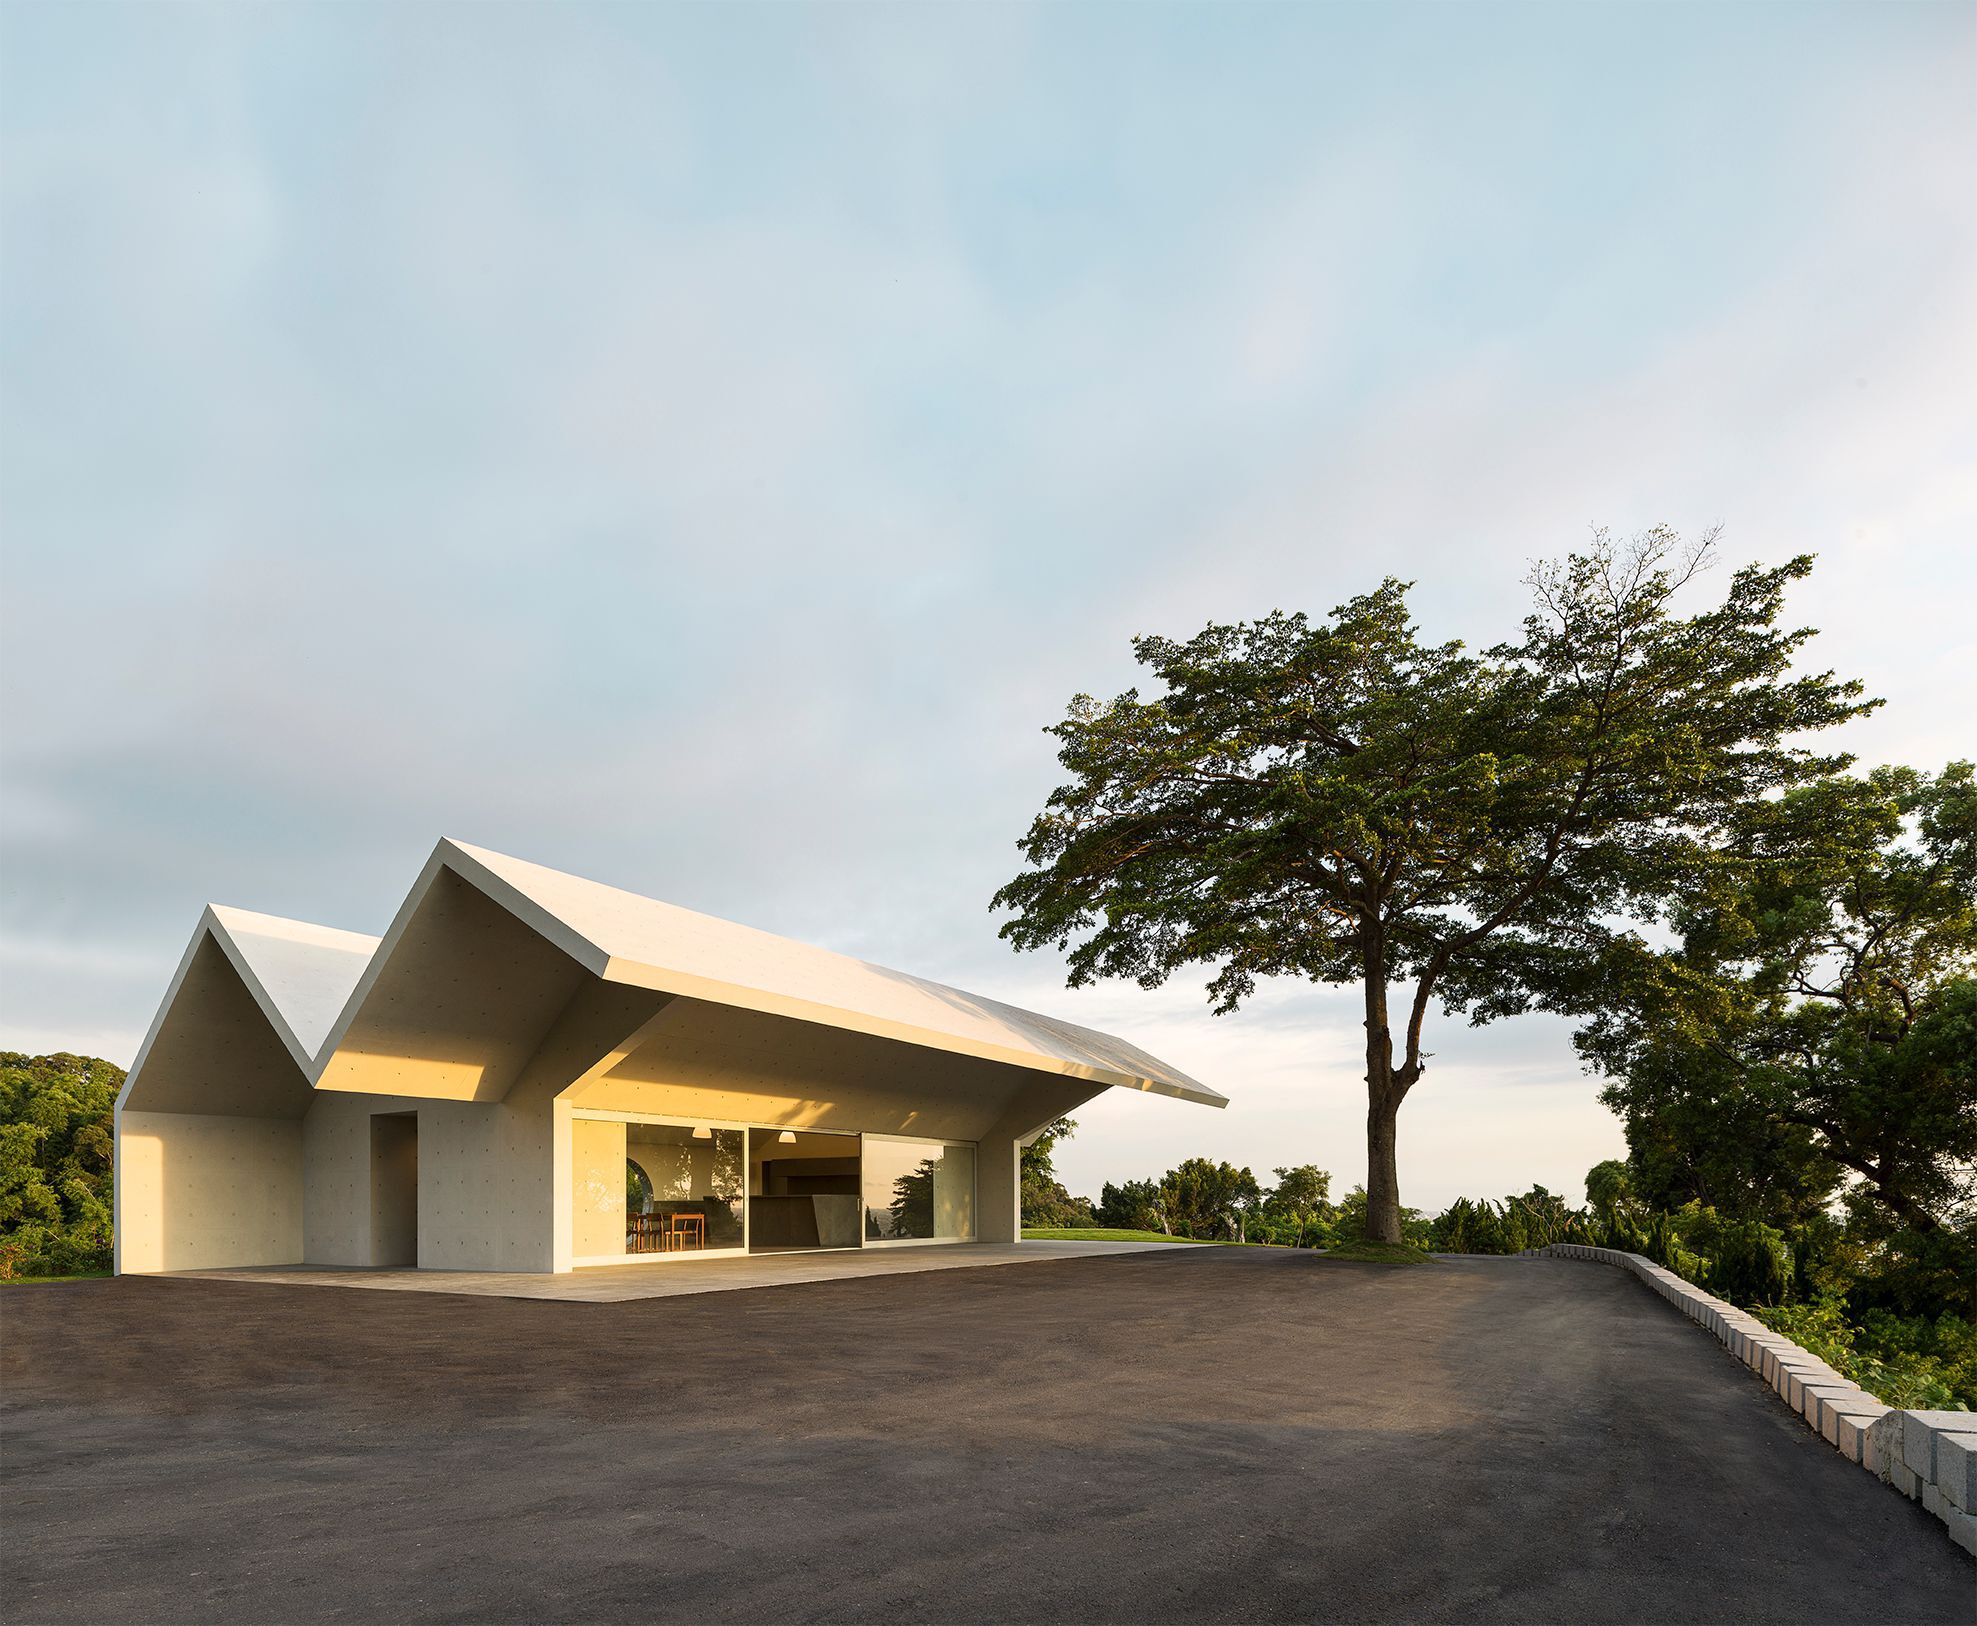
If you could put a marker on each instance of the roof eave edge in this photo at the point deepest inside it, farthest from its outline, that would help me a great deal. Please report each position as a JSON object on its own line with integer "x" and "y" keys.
{"x": 546, "y": 924}
{"x": 636, "y": 974}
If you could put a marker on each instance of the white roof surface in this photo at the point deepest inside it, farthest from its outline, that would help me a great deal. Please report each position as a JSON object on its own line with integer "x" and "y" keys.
{"x": 660, "y": 945}
{"x": 307, "y": 972}
{"x": 308, "y": 976}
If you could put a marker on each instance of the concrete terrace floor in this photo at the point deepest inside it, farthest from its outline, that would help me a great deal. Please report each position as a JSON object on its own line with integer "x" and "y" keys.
{"x": 674, "y": 1278}
{"x": 1180, "y": 1434}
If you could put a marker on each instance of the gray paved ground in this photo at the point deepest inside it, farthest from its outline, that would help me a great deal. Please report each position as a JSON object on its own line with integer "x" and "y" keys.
{"x": 1215, "y": 1434}
{"x": 676, "y": 1277}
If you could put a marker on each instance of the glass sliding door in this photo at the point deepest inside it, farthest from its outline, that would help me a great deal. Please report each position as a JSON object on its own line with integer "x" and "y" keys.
{"x": 918, "y": 1190}
{"x": 695, "y": 1176}
{"x": 802, "y": 1190}
{"x": 648, "y": 1190}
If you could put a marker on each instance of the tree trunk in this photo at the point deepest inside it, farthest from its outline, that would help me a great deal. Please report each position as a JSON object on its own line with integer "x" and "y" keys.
{"x": 1382, "y": 1101}
{"x": 1382, "y": 1169}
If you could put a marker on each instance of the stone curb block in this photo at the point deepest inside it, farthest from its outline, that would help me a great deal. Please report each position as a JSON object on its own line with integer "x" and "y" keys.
{"x": 1929, "y": 1456}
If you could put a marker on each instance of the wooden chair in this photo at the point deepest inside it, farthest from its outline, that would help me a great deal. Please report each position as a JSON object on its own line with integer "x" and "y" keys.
{"x": 686, "y": 1231}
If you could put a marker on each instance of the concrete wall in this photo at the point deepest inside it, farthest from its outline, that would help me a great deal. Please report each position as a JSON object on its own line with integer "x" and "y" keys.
{"x": 484, "y": 1178}
{"x": 998, "y": 1190}
{"x": 954, "y": 1192}
{"x": 494, "y": 1178}
{"x": 199, "y": 1192}
{"x": 597, "y": 1188}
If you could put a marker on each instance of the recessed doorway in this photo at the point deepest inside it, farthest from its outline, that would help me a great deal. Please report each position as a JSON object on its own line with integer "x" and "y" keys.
{"x": 395, "y": 1188}
{"x": 803, "y": 1190}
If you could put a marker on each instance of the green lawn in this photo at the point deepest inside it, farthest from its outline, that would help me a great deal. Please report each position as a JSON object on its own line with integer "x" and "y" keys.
{"x": 1378, "y": 1253}
{"x": 1365, "y": 1253}
{"x": 26, "y": 1281}
{"x": 1099, "y": 1233}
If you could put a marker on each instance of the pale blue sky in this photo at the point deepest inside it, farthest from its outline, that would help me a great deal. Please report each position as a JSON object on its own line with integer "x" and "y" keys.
{"x": 701, "y": 447}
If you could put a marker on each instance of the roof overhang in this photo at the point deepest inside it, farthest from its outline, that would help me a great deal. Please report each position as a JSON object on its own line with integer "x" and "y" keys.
{"x": 323, "y": 993}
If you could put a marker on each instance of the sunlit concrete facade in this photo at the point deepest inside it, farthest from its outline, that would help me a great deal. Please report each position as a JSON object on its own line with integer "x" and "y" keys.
{"x": 533, "y": 1072}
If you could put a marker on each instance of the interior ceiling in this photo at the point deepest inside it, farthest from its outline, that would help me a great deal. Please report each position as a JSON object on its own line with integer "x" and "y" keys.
{"x": 216, "y": 1051}
{"x": 808, "y": 1144}
{"x": 724, "y": 1062}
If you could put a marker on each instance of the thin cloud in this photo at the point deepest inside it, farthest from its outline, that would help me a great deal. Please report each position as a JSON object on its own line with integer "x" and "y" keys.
{"x": 703, "y": 453}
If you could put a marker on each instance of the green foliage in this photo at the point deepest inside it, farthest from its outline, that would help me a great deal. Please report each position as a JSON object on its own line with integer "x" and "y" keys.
{"x": 1044, "y": 1199}
{"x": 1297, "y": 1212}
{"x": 912, "y": 1205}
{"x": 1345, "y": 802}
{"x": 1349, "y": 1223}
{"x": 1739, "y": 1260}
{"x": 56, "y": 1144}
{"x": 638, "y": 1189}
{"x": 1915, "y": 1363}
{"x": 1469, "y": 1227}
{"x": 1135, "y": 1205}
{"x": 1113, "y": 1233}
{"x": 1537, "y": 1219}
{"x": 1204, "y": 1198}
{"x": 1378, "y": 1253}
{"x": 1608, "y": 1185}
{"x": 1743, "y": 1261}
{"x": 1304, "y": 1191}
{"x": 1817, "y": 1022}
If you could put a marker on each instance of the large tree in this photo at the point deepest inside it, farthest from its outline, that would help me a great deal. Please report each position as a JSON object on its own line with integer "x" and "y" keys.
{"x": 1817, "y": 1014}
{"x": 1341, "y": 801}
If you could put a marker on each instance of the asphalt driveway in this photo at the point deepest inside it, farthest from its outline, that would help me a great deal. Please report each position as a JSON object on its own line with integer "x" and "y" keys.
{"x": 1206, "y": 1434}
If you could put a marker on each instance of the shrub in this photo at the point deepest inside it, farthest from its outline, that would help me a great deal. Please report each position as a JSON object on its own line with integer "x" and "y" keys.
{"x": 1349, "y": 1222}
{"x": 1887, "y": 1359}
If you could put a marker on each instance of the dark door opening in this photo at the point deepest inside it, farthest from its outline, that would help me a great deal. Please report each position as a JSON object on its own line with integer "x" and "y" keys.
{"x": 395, "y": 1188}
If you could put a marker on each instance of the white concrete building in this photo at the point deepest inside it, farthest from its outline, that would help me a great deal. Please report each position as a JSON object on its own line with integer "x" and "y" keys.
{"x": 532, "y": 1072}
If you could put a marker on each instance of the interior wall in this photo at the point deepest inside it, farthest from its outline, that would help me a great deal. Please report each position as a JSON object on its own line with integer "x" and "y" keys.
{"x": 200, "y": 1192}
{"x": 773, "y": 1175}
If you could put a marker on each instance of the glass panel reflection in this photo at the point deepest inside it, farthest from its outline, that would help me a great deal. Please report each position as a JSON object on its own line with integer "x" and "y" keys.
{"x": 803, "y": 1190}
{"x": 918, "y": 1190}
{"x": 683, "y": 1188}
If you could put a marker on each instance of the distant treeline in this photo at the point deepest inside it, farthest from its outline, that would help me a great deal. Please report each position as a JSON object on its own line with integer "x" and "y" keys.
{"x": 56, "y": 1143}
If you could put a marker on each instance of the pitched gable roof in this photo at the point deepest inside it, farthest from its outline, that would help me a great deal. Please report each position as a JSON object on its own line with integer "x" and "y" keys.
{"x": 311, "y": 982}
{"x": 631, "y": 939}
